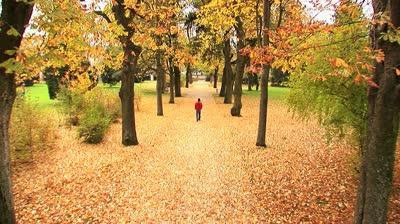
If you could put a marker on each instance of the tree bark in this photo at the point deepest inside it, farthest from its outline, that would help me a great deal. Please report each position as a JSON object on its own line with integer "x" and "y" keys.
{"x": 127, "y": 94}
{"x": 262, "y": 120}
{"x": 160, "y": 75}
{"x": 164, "y": 82}
{"x": 216, "y": 77}
{"x": 383, "y": 122}
{"x": 237, "y": 103}
{"x": 177, "y": 73}
{"x": 228, "y": 72}
{"x": 249, "y": 81}
{"x": 223, "y": 84}
{"x": 188, "y": 71}
{"x": 171, "y": 81}
{"x": 8, "y": 94}
{"x": 15, "y": 14}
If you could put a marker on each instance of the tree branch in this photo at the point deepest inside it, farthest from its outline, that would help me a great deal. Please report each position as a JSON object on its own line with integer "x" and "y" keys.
{"x": 102, "y": 14}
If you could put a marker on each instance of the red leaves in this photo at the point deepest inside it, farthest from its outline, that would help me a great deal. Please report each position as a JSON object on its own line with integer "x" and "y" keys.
{"x": 372, "y": 83}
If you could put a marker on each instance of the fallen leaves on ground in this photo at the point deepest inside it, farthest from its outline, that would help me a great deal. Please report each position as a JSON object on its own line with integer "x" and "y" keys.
{"x": 184, "y": 171}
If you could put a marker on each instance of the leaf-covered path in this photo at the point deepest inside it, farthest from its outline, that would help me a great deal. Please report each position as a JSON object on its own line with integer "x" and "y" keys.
{"x": 193, "y": 172}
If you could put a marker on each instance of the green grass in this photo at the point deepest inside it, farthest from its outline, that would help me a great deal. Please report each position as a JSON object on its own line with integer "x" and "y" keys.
{"x": 39, "y": 95}
{"x": 274, "y": 93}
{"x": 146, "y": 88}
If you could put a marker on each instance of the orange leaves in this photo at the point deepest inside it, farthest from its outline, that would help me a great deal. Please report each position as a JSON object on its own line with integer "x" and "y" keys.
{"x": 339, "y": 63}
{"x": 358, "y": 79}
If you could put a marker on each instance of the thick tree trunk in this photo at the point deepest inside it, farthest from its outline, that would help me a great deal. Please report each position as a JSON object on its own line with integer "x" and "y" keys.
{"x": 237, "y": 103}
{"x": 8, "y": 94}
{"x": 178, "y": 92}
{"x": 188, "y": 74}
{"x": 383, "y": 123}
{"x": 216, "y": 77}
{"x": 129, "y": 69}
{"x": 223, "y": 83}
{"x": 160, "y": 75}
{"x": 228, "y": 72}
{"x": 127, "y": 93}
{"x": 15, "y": 14}
{"x": 262, "y": 120}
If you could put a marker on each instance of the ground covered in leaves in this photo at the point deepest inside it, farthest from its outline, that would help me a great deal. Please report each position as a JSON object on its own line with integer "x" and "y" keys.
{"x": 184, "y": 171}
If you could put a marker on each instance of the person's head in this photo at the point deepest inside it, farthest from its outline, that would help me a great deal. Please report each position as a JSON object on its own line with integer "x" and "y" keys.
{"x": 198, "y": 100}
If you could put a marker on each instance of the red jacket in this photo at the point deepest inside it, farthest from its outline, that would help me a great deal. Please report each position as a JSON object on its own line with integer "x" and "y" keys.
{"x": 198, "y": 106}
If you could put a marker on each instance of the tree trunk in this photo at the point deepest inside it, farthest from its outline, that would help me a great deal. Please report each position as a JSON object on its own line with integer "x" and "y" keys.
{"x": 255, "y": 76}
{"x": 177, "y": 72}
{"x": 171, "y": 81}
{"x": 188, "y": 73}
{"x": 216, "y": 77}
{"x": 8, "y": 94}
{"x": 127, "y": 93}
{"x": 383, "y": 123}
{"x": 129, "y": 68}
{"x": 15, "y": 14}
{"x": 191, "y": 78}
{"x": 164, "y": 82}
{"x": 228, "y": 72}
{"x": 223, "y": 83}
{"x": 262, "y": 120}
{"x": 249, "y": 81}
{"x": 237, "y": 103}
{"x": 160, "y": 75}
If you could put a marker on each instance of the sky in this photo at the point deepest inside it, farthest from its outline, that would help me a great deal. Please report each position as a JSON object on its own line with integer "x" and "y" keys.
{"x": 327, "y": 11}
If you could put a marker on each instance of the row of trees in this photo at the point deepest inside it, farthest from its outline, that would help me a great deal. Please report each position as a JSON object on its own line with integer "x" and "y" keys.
{"x": 336, "y": 74}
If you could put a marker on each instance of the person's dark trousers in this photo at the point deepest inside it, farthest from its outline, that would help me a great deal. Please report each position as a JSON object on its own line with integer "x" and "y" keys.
{"x": 198, "y": 115}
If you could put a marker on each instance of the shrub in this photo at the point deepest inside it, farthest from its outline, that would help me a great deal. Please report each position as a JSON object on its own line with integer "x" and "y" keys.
{"x": 109, "y": 100}
{"x": 73, "y": 104}
{"x": 93, "y": 111}
{"x": 94, "y": 124}
{"x": 31, "y": 129}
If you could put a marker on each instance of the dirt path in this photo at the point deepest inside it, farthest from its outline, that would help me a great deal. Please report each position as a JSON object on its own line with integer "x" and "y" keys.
{"x": 185, "y": 171}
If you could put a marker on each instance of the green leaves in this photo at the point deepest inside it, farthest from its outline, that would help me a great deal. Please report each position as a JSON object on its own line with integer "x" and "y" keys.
{"x": 13, "y": 32}
{"x": 12, "y": 66}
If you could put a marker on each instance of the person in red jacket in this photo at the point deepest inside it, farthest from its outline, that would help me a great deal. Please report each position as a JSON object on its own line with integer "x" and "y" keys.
{"x": 198, "y": 106}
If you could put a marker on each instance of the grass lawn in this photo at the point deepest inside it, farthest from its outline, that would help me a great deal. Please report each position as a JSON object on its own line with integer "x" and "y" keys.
{"x": 274, "y": 93}
{"x": 39, "y": 94}
{"x": 146, "y": 88}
